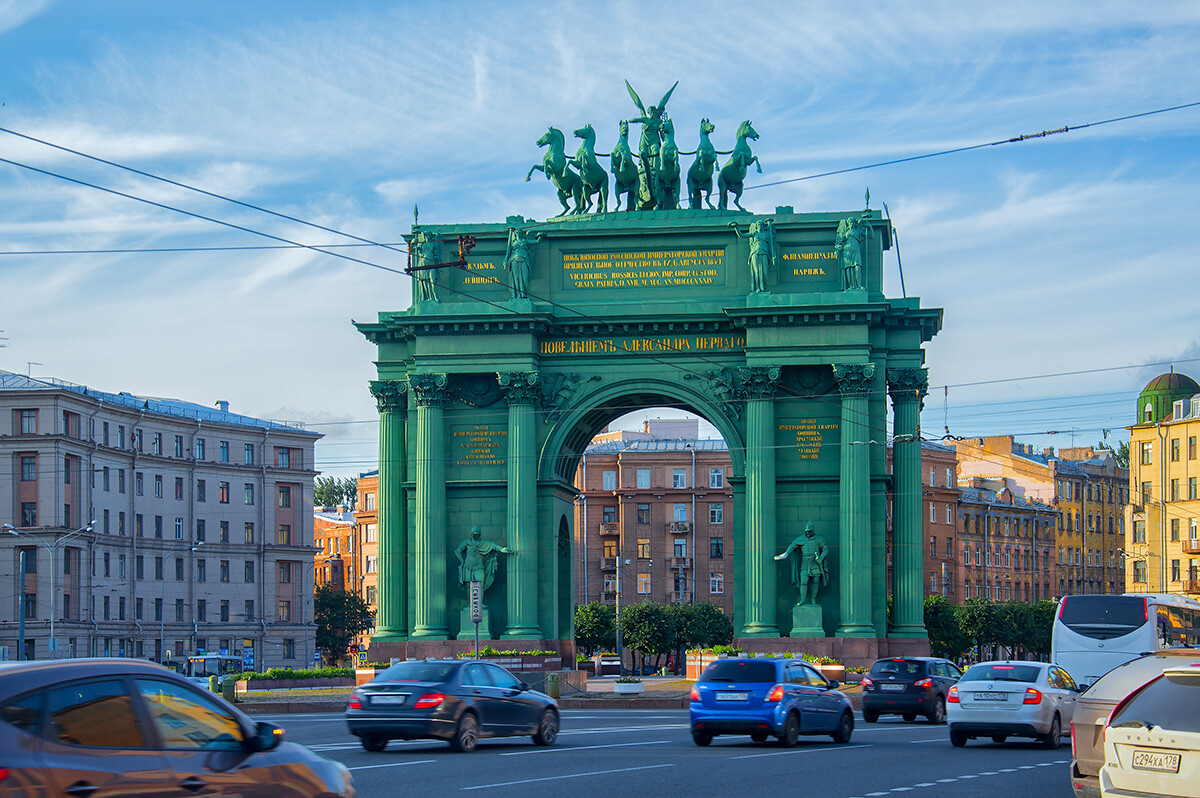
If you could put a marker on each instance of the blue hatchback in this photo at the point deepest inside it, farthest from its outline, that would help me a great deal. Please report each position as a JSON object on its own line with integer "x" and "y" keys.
{"x": 781, "y": 698}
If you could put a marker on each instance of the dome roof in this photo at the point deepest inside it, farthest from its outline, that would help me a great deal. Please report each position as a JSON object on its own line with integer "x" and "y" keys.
{"x": 1173, "y": 381}
{"x": 1156, "y": 400}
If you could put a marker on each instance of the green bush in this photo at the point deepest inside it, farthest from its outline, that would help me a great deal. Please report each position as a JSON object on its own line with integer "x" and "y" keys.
{"x": 289, "y": 673}
{"x": 488, "y": 651}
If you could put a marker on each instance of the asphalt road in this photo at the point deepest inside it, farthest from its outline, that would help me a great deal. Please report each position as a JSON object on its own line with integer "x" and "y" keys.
{"x": 650, "y": 752}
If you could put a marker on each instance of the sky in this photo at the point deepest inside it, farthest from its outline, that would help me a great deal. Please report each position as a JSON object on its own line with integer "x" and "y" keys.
{"x": 1065, "y": 264}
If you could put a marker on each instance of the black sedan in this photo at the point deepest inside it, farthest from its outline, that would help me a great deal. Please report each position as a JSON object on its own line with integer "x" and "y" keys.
{"x": 459, "y": 701}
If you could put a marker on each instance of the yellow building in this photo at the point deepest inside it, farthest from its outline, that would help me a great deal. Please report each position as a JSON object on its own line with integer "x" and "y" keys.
{"x": 1163, "y": 555}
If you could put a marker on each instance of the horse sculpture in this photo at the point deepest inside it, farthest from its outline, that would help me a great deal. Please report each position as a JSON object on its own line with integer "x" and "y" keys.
{"x": 667, "y": 173}
{"x": 624, "y": 170}
{"x": 595, "y": 179}
{"x": 558, "y": 170}
{"x": 734, "y": 170}
{"x": 699, "y": 178}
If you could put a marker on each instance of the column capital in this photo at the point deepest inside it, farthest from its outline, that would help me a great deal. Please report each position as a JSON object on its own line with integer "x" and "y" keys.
{"x": 429, "y": 389}
{"x": 391, "y": 396}
{"x": 853, "y": 378}
{"x": 759, "y": 382}
{"x": 520, "y": 387}
{"x": 908, "y": 385}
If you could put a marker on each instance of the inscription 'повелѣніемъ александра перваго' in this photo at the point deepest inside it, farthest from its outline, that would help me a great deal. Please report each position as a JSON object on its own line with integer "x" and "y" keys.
{"x": 645, "y": 269}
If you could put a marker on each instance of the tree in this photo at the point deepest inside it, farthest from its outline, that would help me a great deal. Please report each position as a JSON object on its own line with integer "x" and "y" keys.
{"x": 595, "y": 627}
{"x": 340, "y": 615}
{"x": 331, "y": 492}
{"x": 1121, "y": 453}
{"x": 349, "y": 487}
{"x": 646, "y": 629}
{"x": 946, "y": 637}
{"x": 1036, "y": 624}
{"x": 978, "y": 619}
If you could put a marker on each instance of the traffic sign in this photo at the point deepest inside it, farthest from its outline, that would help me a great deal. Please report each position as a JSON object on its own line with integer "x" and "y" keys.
{"x": 476, "y": 601}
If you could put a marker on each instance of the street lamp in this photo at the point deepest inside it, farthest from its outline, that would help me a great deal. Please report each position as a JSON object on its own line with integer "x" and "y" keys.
{"x": 53, "y": 549}
{"x": 162, "y": 593}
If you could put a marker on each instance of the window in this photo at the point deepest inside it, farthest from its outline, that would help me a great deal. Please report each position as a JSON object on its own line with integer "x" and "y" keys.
{"x": 1192, "y": 447}
{"x": 966, "y": 554}
{"x": 139, "y": 567}
{"x": 716, "y": 583}
{"x": 610, "y": 548}
{"x": 72, "y": 715}
{"x": 29, "y": 470}
{"x": 932, "y": 513}
{"x": 179, "y": 487}
{"x": 284, "y": 535}
{"x": 369, "y": 502}
{"x": 1147, "y": 493}
{"x": 643, "y": 513}
{"x": 223, "y": 492}
{"x": 158, "y": 526}
{"x": 1174, "y": 570}
{"x": 179, "y": 609}
{"x": 1139, "y": 531}
{"x": 609, "y": 479}
{"x": 137, "y": 483}
{"x": 372, "y": 564}
{"x": 643, "y": 584}
{"x": 679, "y": 478}
{"x": 643, "y": 477}
{"x": 1174, "y": 490}
{"x": 248, "y": 492}
{"x": 201, "y": 610}
{"x": 179, "y": 529}
{"x": 1147, "y": 452}
{"x": 178, "y": 569}
{"x": 284, "y": 611}
{"x": 285, "y": 495}
{"x": 249, "y": 531}
{"x": 248, "y": 454}
{"x": 681, "y": 515}
{"x": 224, "y": 570}
{"x": 643, "y": 548}
{"x": 28, "y": 421}
{"x": 156, "y": 443}
{"x": 224, "y": 531}
{"x": 370, "y": 597}
{"x": 248, "y": 611}
{"x": 158, "y": 568}
{"x": 608, "y": 515}
{"x": 1139, "y": 570}
{"x": 1192, "y": 489}
{"x": 369, "y": 533}
{"x": 138, "y": 609}
{"x": 285, "y": 572}
{"x": 223, "y": 451}
{"x": 201, "y": 570}
{"x": 28, "y": 513}
{"x": 949, "y": 477}
{"x": 716, "y": 513}
{"x": 199, "y": 448}
{"x": 121, "y": 480}
{"x": 679, "y": 547}
{"x": 932, "y": 546}
{"x": 201, "y": 534}
{"x": 716, "y": 548}
{"x": 950, "y": 514}
{"x": 158, "y": 486}
{"x": 716, "y": 477}
{"x": 248, "y": 571}
{"x": 1174, "y": 450}
{"x": 225, "y": 610}
{"x": 610, "y": 583}
{"x": 933, "y": 478}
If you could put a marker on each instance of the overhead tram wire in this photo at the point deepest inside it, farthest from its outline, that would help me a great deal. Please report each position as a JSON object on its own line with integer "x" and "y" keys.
{"x": 1012, "y": 140}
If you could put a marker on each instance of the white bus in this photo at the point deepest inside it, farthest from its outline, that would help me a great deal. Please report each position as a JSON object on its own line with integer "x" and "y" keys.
{"x": 202, "y": 666}
{"x": 1094, "y": 634}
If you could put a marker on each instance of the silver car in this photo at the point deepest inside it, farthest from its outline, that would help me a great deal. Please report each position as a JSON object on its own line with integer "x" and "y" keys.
{"x": 1011, "y": 699}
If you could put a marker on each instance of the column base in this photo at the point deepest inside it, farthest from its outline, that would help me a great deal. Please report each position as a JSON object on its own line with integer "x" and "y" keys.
{"x": 390, "y": 636}
{"x": 429, "y": 633}
{"x": 523, "y": 632}
{"x": 908, "y": 630}
{"x": 855, "y": 630}
{"x": 759, "y": 630}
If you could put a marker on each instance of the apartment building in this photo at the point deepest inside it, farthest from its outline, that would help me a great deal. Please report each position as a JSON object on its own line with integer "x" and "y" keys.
{"x": 1007, "y": 543}
{"x": 155, "y": 528}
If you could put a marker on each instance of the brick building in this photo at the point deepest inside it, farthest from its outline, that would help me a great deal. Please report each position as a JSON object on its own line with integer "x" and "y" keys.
{"x": 1006, "y": 543}
{"x": 336, "y": 543}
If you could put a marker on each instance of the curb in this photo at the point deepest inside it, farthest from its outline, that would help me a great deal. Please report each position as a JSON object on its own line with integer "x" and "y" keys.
{"x": 299, "y": 707}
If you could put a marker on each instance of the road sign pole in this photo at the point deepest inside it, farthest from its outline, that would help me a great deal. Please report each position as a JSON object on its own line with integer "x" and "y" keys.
{"x": 476, "y": 610}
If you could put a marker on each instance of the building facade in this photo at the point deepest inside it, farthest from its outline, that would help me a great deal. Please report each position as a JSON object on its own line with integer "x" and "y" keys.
{"x": 152, "y": 528}
{"x": 336, "y": 543}
{"x": 1087, "y": 487}
{"x": 1164, "y": 467}
{"x": 941, "y": 493}
{"x": 1006, "y": 543}
{"x": 366, "y": 534}
{"x": 654, "y": 518}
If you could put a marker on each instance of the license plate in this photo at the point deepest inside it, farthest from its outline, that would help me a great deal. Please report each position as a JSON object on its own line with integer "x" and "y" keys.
{"x": 991, "y": 697}
{"x": 896, "y": 687}
{"x": 388, "y": 699}
{"x": 733, "y": 696}
{"x": 1156, "y": 761}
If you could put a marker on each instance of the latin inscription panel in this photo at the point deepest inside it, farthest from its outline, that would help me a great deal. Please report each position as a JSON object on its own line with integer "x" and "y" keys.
{"x": 644, "y": 269}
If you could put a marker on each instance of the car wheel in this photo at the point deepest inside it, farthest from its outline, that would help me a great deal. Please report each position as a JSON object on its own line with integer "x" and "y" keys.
{"x": 373, "y": 742}
{"x": 998, "y": 738}
{"x": 758, "y": 737}
{"x": 870, "y": 715}
{"x": 701, "y": 738}
{"x": 845, "y": 728}
{"x": 547, "y": 731}
{"x": 466, "y": 734}
{"x": 1054, "y": 739}
{"x": 938, "y": 715}
{"x": 791, "y": 731}
{"x": 909, "y": 716}
{"x": 958, "y": 739}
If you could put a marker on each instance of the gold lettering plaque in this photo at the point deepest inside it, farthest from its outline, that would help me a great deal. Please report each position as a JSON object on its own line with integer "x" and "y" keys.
{"x": 630, "y": 345}
{"x": 644, "y": 269}
{"x": 809, "y": 434}
{"x": 480, "y": 445}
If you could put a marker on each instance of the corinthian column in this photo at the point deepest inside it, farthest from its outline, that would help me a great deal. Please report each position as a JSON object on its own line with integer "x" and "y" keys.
{"x": 521, "y": 390}
{"x": 391, "y": 509}
{"x": 760, "y": 384}
{"x": 908, "y": 388}
{"x": 429, "y": 539}
{"x": 854, "y": 531}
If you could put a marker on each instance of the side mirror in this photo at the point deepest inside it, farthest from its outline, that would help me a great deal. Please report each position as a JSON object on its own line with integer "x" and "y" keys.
{"x": 1083, "y": 688}
{"x": 267, "y": 736}
{"x": 834, "y": 684}
{"x": 524, "y": 686}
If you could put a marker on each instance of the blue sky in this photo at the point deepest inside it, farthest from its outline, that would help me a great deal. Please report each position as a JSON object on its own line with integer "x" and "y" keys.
{"x": 1073, "y": 253}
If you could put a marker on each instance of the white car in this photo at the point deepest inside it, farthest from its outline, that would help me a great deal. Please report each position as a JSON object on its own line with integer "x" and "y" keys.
{"x": 1011, "y": 699}
{"x": 1152, "y": 740}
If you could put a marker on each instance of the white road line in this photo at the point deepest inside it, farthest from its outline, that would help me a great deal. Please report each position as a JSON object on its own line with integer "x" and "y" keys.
{"x": 965, "y": 777}
{"x": 581, "y": 748}
{"x": 394, "y": 764}
{"x": 925, "y": 784}
{"x": 607, "y": 730}
{"x": 824, "y": 748}
{"x": 567, "y": 776}
{"x": 937, "y": 740}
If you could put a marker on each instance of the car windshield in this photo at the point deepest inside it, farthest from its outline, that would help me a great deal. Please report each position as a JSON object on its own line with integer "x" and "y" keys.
{"x": 1168, "y": 703}
{"x": 985, "y": 672}
{"x": 897, "y": 667}
{"x": 1103, "y": 617}
{"x": 739, "y": 671}
{"x": 416, "y": 671}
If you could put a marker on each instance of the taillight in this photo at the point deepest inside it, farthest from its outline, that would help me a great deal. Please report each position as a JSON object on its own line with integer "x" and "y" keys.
{"x": 866, "y": 682}
{"x": 1146, "y": 607}
{"x": 429, "y": 700}
{"x": 1032, "y": 696}
{"x": 3, "y": 774}
{"x": 952, "y": 696}
{"x": 694, "y": 695}
{"x": 1073, "y": 740}
{"x": 355, "y": 701}
{"x": 776, "y": 693}
{"x": 924, "y": 683}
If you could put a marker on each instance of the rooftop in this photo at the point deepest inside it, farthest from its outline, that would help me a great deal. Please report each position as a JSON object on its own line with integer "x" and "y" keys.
{"x": 659, "y": 445}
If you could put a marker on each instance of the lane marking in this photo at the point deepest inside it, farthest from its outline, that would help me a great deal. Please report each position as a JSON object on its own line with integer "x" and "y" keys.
{"x": 966, "y": 777}
{"x": 394, "y": 764}
{"x": 567, "y": 776}
{"x": 581, "y": 748}
{"x": 824, "y": 748}
{"x": 936, "y": 740}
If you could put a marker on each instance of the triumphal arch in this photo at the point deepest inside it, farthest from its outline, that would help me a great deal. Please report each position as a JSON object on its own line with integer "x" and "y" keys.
{"x": 525, "y": 338}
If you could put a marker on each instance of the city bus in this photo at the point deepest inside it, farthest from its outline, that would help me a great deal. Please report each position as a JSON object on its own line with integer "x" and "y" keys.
{"x": 1095, "y": 633}
{"x": 202, "y": 666}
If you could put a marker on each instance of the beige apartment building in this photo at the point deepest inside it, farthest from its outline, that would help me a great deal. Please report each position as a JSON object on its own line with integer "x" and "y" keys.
{"x": 654, "y": 518}
{"x": 155, "y": 528}
{"x": 1164, "y": 548}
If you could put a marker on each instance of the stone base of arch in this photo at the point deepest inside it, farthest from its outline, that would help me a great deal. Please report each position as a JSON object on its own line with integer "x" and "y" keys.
{"x": 453, "y": 649}
{"x": 853, "y": 652}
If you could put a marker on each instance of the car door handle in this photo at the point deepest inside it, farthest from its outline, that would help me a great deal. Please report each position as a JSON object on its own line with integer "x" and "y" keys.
{"x": 81, "y": 788}
{"x": 193, "y": 784}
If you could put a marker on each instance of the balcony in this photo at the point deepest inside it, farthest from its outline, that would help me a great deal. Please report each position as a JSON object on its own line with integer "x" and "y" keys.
{"x": 608, "y": 563}
{"x": 681, "y": 596}
{"x": 1190, "y": 586}
{"x": 610, "y": 528}
{"x": 679, "y": 526}
{"x": 608, "y": 597}
{"x": 1191, "y": 546}
{"x": 681, "y": 562}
